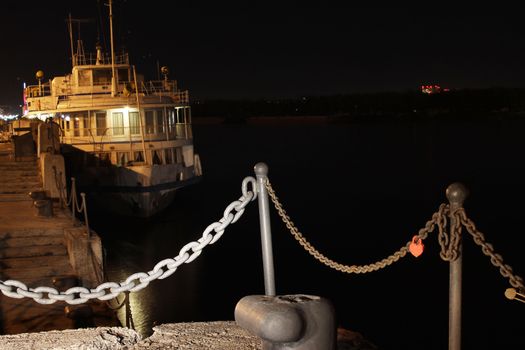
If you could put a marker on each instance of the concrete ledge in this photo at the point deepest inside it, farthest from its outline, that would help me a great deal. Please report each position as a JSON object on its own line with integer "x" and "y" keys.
{"x": 108, "y": 338}
{"x": 218, "y": 335}
{"x": 182, "y": 336}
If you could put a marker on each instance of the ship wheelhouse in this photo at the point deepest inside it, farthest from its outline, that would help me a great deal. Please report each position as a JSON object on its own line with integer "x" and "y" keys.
{"x": 127, "y": 142}
{"x": 123, "y": 121}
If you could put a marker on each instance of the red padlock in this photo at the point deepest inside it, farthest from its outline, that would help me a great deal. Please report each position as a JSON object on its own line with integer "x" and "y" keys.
{"x": 416, "y": 247}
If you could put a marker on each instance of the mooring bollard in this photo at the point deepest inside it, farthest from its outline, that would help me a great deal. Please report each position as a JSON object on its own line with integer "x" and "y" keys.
{"x": 456, "y": 194}
{"x": 261, "y": 171}
{"x": 298, "y": 322}
{"x": 44, "y": 207}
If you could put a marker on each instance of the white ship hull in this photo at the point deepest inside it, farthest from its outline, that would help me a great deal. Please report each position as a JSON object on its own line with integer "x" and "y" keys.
{"x": 140, "y": 190}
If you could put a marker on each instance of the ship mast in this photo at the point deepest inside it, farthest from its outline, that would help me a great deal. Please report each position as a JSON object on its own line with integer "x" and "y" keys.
{"x": 113, "y": 82}
{"x": 70, "y": 26}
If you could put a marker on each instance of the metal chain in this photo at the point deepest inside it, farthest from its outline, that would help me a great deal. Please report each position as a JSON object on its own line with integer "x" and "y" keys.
{"x": 81, "y": 207}
{"x": 488, "y": 250}
{"x": 438, "y": 219}
{"x": 139, "y": 280}
{"x": 450, "y": 243}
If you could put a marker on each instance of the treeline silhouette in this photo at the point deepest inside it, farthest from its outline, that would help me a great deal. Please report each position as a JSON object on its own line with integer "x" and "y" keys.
{"x": 465, "y": 103}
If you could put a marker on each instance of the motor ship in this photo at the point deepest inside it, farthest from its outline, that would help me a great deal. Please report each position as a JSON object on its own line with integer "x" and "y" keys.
{"x": 127, "y": 142}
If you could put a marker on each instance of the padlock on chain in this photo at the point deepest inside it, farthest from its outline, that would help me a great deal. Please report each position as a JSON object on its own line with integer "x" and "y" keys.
{"x": 416, "y": 246}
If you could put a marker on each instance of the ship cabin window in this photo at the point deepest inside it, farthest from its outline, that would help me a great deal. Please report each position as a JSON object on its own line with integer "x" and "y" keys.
{"x": 181, "y": 115}
{"x": 85, "y": 125}
{"x": 168, "y": 156}
{"x": 122, "y": 158}
{"x": 160, "y": 121}
{"x": 178, "y": 153}
{"x": 149, "y": 122}
{"x": 80, "y": 124}
{"x": 84, "y": 77}
{"x": 100, "y": 119}
{"x": 76, "y": 126}
{"x": 101, "y": 76}
{"x": 118, "y": 123}
{"x": 156, "y": 158}
{"x": 122, "y": 74}
{"x": 134, "y": 123}
{"x": 138, "y": 156}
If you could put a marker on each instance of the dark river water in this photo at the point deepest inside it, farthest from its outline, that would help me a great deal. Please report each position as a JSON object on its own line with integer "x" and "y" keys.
{"x": 358, "y": 192}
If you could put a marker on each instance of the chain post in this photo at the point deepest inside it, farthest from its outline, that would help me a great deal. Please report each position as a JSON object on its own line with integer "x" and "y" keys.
{"x": 73, "y": 199}
{"x": 261, "y": 171}
{"x": 456, "y": 194}
{"x": 83, "y": 195}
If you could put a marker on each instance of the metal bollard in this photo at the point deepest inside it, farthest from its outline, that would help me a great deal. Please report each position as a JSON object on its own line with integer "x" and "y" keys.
{"x": 456, "y": 194}
{"x": 289, "y": 322}
{"x": 44, "y": 207}
{"x": 261, "y": 170}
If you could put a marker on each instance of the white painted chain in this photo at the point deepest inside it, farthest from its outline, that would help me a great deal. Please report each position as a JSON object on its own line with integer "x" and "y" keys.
{"x": 139, "y": 280}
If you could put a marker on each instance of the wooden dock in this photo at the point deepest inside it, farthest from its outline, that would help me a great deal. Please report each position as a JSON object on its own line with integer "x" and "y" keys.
{"x": 33, "y": 251}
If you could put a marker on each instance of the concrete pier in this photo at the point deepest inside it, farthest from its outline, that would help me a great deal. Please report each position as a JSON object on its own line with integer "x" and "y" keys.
{"x": 216, "y": 335}
{"x": 34, "y": 250}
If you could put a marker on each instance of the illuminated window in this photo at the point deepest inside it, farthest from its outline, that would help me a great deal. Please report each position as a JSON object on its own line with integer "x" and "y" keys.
{"x": 85, "y": 125}
{"x": 76, "y": 126}
{"x": 100, "y": 118}
{"x": 134, "y": 123}
{"x": 118, "y": 123}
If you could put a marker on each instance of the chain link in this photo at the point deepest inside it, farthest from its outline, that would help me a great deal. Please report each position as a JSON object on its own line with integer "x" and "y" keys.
{"x": 438, "y": 219}
{"x": 487, "y": 249}
{"x": 139, "y": 280}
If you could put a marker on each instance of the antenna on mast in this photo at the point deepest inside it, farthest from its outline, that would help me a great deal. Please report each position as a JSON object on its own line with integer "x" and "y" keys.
{"x": 77, "y": 58}
{"x": 113, "y": 82}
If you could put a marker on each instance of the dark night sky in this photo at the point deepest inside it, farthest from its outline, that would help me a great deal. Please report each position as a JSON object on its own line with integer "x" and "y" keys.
{"x": 276, "y": 49}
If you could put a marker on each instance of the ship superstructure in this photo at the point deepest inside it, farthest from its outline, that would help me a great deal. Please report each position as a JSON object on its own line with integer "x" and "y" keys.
{"x": 124, "y": 138}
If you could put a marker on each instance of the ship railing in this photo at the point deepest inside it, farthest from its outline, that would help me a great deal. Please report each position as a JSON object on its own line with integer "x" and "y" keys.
{"x": 32, "y": 91}
{"x": 90, "y": 59}
{"x": 150, "y": 88}
{"x": 164, "y": 87}
{"x": 178, "y": 131}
